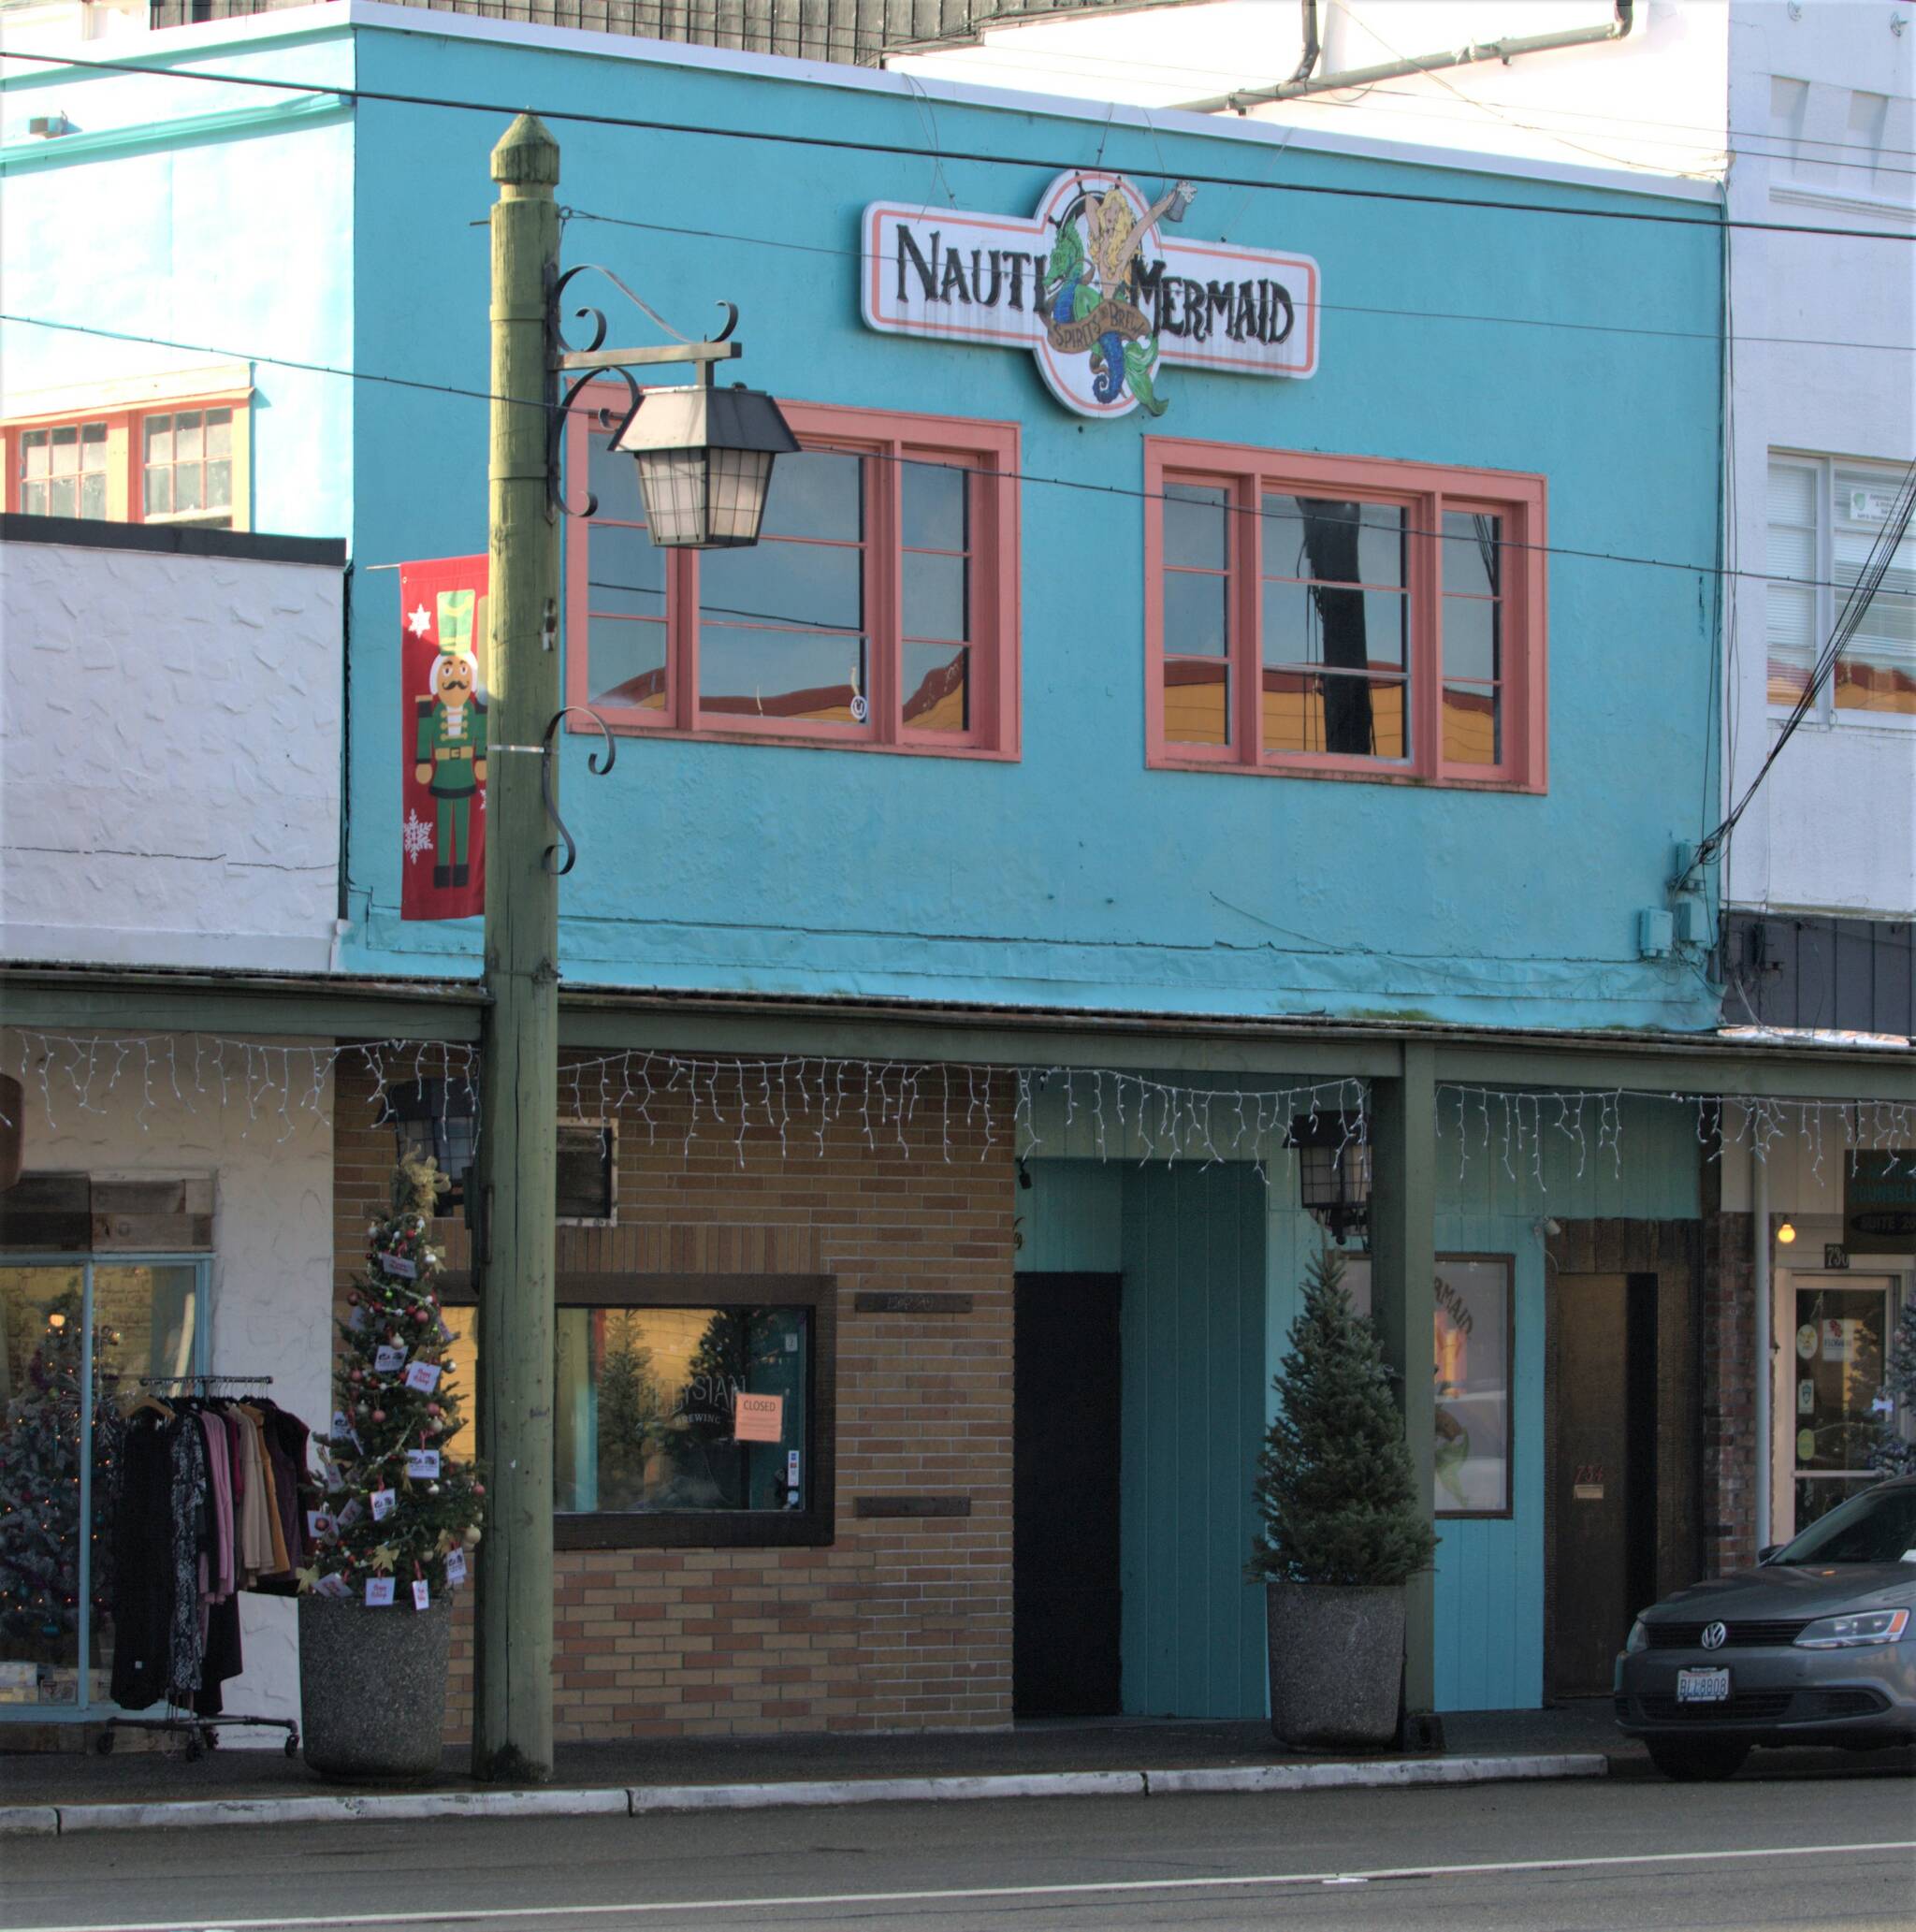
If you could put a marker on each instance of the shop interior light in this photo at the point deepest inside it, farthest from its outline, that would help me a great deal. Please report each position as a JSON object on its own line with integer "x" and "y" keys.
{"x": 705, "y": 456}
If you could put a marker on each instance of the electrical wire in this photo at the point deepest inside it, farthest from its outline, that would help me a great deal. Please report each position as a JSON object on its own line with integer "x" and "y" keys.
{"x": 846, "y": 144}
{"x": 1862, "y": 593}
{"x": 1039, "y": 60}
{"x": 1104, "y": 490}
{"x": 1606, "y": 328}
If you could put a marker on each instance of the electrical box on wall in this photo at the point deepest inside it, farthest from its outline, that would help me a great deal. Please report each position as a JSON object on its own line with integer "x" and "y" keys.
{"x": 1693, "y": 922}
{"x": 1655, "y": 932}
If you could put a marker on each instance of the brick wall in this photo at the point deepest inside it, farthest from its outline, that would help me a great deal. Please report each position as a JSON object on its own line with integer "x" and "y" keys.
{"x": 1730, "y": 1540}
{"x": 902, "y": 1623}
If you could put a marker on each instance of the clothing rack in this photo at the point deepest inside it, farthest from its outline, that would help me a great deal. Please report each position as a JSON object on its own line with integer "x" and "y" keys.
{"x": 202, "y": 1734}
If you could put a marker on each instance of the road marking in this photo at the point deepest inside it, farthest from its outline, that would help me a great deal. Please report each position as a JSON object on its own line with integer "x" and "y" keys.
{"x": 475, "y": 1915}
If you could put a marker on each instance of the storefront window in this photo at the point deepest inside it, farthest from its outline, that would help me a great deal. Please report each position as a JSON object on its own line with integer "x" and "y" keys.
{"x": 60, "y": 1416}
{"x": 683, "y": 1417}
{"x": 1838, "y": 1377}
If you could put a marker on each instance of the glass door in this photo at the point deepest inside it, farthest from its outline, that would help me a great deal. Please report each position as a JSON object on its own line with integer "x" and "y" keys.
{"x": 1842, "y": 1330}
{"x": 42, "y": 1397}
{"x": 76, "y": 1339}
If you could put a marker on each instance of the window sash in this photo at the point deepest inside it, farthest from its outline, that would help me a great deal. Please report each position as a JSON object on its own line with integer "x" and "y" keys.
{"x": 1477, "y": 720}
{"x": 95, "y": 464}
{"x": 1811, "y": 533}
{"x": 922, "y": 692}
{"x": 814, "y": 1525}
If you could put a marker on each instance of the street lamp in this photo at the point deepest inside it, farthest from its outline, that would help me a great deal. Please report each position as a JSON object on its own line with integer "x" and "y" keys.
{"x": 704, "y": 458}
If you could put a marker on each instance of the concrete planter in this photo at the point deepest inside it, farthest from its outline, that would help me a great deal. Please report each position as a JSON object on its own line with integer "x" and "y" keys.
{"x": 373, "y": 1689}
{"x": 1336, "y": 1655}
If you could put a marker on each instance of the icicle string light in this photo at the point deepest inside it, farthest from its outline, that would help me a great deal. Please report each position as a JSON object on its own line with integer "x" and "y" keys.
{"x": 1100, "y": 1112}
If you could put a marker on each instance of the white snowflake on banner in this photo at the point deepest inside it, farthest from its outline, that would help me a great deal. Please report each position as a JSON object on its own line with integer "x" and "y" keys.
{"x": 417, "y": 836}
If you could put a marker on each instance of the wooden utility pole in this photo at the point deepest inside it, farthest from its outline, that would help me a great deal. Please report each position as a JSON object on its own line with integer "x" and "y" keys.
{"x": 511, "y": 1727}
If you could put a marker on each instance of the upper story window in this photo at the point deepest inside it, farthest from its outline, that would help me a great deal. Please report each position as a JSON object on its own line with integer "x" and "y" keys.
{"x": 1825, "y": 516}
{"x": 1344, "y": 617}
{"x": 878, "y": 610}
{"x": 132, "y": 463}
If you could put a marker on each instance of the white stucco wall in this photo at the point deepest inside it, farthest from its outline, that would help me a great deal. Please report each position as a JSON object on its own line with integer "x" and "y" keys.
{"x": 1835, "y": 827}
{"x": 169, "y": 758}
{"x": 269, "y": 1303}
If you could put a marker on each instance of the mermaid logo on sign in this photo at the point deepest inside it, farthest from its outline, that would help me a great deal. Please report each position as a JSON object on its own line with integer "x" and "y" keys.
{"x": 1091, "y": 290}
{"x": 1095, "y": 287}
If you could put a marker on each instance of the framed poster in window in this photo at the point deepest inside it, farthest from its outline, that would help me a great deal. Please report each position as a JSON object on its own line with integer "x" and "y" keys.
{"x": 1473, "y": 1324}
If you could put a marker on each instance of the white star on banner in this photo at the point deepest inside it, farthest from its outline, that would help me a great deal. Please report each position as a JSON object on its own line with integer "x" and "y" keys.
{"x": 417, "y": 835}
{"x": 420, "y": 621}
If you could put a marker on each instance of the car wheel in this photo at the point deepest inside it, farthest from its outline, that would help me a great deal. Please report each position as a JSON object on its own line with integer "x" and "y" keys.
{"x": 1698, "y": 1763}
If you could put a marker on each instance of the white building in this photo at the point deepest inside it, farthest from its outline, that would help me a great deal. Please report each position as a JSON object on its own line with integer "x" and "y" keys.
{"x": 1805, "y": 111}
{"x": 171, "y": 737}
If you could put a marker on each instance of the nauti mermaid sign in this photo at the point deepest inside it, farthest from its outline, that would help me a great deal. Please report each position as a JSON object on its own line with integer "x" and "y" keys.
{"x": 1095, "y": 289}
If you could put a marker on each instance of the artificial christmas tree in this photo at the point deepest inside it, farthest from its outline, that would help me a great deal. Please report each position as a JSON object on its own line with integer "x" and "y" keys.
{"x": 40, "y": 1453}
{"x": 1342, "y": 1529}
{"x": 400, "y": 1515}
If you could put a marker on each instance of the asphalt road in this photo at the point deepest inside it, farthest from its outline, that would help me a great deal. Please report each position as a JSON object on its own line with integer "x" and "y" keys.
{"x": 1814, "y": 1853}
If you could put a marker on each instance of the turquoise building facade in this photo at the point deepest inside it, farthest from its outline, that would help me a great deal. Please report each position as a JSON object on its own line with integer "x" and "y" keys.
{"x": 306, "y": 193}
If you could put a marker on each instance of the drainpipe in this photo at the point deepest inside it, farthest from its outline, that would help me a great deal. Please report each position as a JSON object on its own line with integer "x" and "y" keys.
{"x": 1505, "y": 51}
{"x": 1310, "y": 59}
{"x": 1765, "y": 1370}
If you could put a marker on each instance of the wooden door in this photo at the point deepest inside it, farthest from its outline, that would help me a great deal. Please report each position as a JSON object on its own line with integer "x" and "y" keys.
{"x": 1065, "y": 1591}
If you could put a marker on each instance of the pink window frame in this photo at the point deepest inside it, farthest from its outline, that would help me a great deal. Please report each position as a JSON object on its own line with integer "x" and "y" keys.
{"x": 990, "y": 449}
{"x": 1426, "y": 490}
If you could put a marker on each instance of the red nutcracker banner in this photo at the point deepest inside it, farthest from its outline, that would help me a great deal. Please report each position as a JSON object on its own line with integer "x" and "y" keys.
{"x": 443, "y": 727}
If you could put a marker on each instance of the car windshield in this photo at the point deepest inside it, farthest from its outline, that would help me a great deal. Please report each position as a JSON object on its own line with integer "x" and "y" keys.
{"x": 1878, "y": 1526}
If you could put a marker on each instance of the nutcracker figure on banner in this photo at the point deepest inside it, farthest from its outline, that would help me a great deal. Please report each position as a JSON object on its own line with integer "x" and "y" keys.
{"x": 443, "y": 738}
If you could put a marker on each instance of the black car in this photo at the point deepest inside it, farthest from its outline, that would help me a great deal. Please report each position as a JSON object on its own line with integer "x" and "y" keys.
{"x": 1816, "y": 1645}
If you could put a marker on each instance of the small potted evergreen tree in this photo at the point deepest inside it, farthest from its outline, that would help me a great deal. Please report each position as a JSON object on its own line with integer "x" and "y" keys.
{"x": 399, "y": 1520}
{"x": 1342, "y": 1531}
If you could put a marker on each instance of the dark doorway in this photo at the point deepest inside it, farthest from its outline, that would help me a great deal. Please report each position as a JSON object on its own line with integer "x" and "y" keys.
{"x": 1065, "y": 1592}
{"x": 1602, "y": 1473}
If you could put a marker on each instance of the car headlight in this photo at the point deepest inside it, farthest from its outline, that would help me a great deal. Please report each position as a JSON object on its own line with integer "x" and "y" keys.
{"x": 1638, "y": 1639}
{"x": 1850, "y": 1632}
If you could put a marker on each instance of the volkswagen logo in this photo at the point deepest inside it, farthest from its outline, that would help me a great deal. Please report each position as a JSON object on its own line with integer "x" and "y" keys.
{"x": 1714, "y": 1637}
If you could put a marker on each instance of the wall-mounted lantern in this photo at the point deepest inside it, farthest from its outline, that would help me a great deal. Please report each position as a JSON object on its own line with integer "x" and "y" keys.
{"x": 1333, "y": 1173}
{"x": 705, "y": 462}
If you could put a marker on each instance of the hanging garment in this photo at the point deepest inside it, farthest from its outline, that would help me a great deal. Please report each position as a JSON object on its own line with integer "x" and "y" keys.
{"x": 186, "y": 1635}
{"x": 142, "y": 1539}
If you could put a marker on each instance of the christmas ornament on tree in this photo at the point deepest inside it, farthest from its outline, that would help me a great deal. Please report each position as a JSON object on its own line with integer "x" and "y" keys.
{"x": 396, "y": 1501}
{"x": 40, "y": 1488}
{"x": 1893, "y": 1452}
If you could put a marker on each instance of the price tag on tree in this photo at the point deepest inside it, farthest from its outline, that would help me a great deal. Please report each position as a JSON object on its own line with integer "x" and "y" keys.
{"x": 398, "y": 1265}
{"x": 318, "y": 1524}
{"x": 422, "y": 1595}
{"x": 379, "y": 1591}
{"x": 351, "y": 1514}
{"x": 456, "y": 1566}
{"x": 333, "y": 1587}
{"x": 388, "y": 1359}
{"x": 384, "y": 1503}
{"x": 422, "y": 1462}
{"x": 422, "y": 1376}
{"x": 357, "y": 1320}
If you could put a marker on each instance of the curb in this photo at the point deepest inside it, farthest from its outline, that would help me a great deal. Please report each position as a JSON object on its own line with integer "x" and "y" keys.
{"x": 49, "y": 1820}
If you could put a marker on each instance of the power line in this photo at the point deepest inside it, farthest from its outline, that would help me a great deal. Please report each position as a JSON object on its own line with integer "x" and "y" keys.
{"x": 1862, "y": 593}
{"x": 1611, "y": 328}
{"x": 1038, "y": 59}
{"x": 846, "y": 144}
{"x": 1104, "y": 490}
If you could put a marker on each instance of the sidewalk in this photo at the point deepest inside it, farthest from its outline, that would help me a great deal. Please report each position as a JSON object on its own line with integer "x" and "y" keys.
{"x": 150, "y": 1788}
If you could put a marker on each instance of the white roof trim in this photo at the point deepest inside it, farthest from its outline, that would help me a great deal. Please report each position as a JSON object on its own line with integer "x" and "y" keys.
{"x": 250, "y": 29}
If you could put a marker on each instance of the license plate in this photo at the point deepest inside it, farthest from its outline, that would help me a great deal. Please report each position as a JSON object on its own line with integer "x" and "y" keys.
{"x": 1702, "y": 1686}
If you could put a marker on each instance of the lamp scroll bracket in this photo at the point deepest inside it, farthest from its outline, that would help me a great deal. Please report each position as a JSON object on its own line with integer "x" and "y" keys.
{"x": 593, "y": 765}
{"x": 580, "y": 367}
